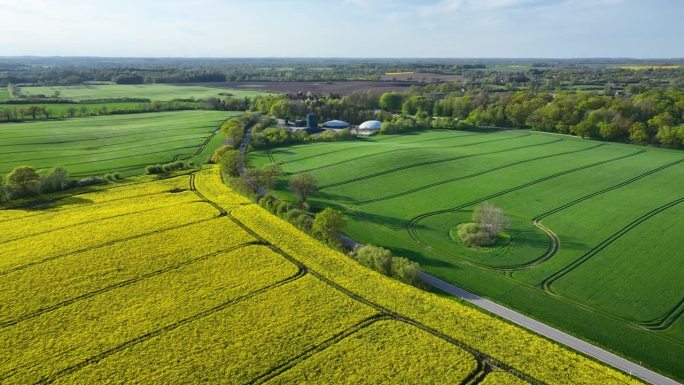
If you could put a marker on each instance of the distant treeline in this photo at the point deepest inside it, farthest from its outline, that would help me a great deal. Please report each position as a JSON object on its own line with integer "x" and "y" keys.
{"x": 495, "y": 74}
{"x": 652, "y": 117}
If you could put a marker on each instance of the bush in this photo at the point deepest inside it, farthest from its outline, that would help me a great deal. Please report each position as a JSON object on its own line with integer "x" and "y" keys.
{"x": 115, "y": 176}
{"x": 153, "y": 169}
{"x": 91, "y": 180}
{"x": 57, "y": 180}
{"x": 472, "y": 235}
{"x": 168, "y": 167}
{"x": 382, "y": 260}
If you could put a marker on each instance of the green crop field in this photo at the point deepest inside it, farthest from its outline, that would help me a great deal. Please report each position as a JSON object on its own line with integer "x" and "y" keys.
{"x": 183, "y": 281}
{"x": 160, "y": 92}
{"x": 102, "y": 144}
{"x": 595, "y": 245}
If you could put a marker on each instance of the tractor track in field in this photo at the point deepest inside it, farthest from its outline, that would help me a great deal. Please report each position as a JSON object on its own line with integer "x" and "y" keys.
{"x": 99, "y": 138}
{"x": 554, "y": 242}
{"x": 407, "y": 149}
{"x": 42, "y": 209}
{"x": 118, "y": 285}
{"x": 99, "y": 219}
{"x": 100, "y": 152}
{"x": 484, "y": 172}
{"x": 371, "y": 144}
{"x": 292, "y": 362}
{"x": 411, "y": 226}
{"x": 117, "y": 158}
{"x": 168, "y": 328}
{"x": 106, "y": 244}
{"x": 124, "y": 133}
{"x": 431, "y": 162}
{"x": 547, "y": 283}
{"x": 666, "y": 320}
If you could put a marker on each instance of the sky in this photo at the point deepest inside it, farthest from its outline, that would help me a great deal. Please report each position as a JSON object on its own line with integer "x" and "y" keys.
{"x": 344, "y": 28}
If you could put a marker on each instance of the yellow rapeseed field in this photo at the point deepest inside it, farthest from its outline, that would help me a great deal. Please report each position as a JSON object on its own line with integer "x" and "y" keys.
{"x": 183, "y": 281}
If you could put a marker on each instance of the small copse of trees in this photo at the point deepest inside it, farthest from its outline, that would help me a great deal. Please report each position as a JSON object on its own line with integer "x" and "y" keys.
{"x": 488, "y": 222}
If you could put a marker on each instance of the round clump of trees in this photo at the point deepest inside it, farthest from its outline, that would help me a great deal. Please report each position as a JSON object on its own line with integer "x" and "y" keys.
{"x": 488, "y": 223}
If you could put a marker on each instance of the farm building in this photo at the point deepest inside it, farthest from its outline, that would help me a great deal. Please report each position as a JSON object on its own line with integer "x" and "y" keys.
{"x": 370, "y": 125}
{"x": 336, "y": 124}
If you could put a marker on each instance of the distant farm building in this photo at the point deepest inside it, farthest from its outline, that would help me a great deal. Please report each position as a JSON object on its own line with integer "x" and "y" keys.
{"x": 372, "y": 125}
{"x": 336, "y": 124}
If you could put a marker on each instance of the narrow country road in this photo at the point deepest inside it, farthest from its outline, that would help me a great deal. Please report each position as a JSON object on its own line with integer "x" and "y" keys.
{"x": 552, "y": 333}
{"x": 515, "y": 317}
{"x": 539, "y": 328}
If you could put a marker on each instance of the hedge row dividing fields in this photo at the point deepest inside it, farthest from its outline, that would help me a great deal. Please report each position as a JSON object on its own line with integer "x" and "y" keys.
{"x": 232, "y": 294}
{"x": 597, "y": 220}
{"x": 102, "y": 144}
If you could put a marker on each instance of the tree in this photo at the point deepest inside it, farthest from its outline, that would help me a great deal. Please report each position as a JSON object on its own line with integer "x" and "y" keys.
{"x": 327, "y": 223}
{"x": 303, "y": 185}
{"x": 491, "y": 218}
{"x": 390, "y": 101}
{"x": 260, "y": 179}
{"x": 23, "y": 181}
{"x": 56, "y": 180}
{"x": 71, "y": 112}
{"x": 234, "y": 131}
{"x": 34, "y": 111}
{"x": 638, "y": 133}
{"x": 228, "y": 159}
{"x": 376, "y": 258}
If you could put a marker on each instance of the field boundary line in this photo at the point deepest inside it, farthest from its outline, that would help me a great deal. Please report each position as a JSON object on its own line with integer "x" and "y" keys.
{"x": 128, "y": 282}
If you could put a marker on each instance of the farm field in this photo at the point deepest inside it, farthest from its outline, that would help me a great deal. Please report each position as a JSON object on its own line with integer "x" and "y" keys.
{"x": 584, "y": 217}
{"x": 203, "y": 286}
{"x": 102, "y": 144}
{"x": 154, "y": 92}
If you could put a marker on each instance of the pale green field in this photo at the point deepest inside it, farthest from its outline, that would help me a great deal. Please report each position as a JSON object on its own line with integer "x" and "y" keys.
{"x": 160, "y": 92}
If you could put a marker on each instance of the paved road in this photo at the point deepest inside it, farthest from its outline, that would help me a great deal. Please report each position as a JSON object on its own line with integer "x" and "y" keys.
{"x": 552, "y": 333}
{"x": 522, "y": 320}
{"x": 539, "y": 328}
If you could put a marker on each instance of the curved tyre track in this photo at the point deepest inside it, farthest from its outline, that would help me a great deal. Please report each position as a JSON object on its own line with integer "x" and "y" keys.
{"x": 411, "y": 226}
{"x": 666, "y": 320}
{"x": 554, "y": 242}
{"x": 548, "y": 282}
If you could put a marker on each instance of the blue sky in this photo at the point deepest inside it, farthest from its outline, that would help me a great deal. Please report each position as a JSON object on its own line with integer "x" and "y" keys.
{"x": 344, "y": 28}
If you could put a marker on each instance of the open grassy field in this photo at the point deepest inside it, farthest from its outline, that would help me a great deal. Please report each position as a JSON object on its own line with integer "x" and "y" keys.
{"x": 181, "y": 281}
{"x": 102, "y": 144}
{"x": 595, "y": 246}
{"x": 161, "y": 92}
